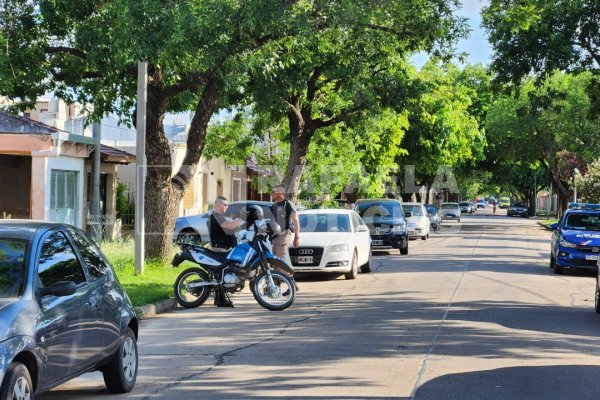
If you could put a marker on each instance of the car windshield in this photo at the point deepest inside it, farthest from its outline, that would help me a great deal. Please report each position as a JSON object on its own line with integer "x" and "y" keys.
{"x": 12, "y": 267}
{"x": 416, "y": 211}
{"x": 520, "y": 205}
{"x": 324, "y": 223}
{"x": 431, "y": 209}
{"x": 449, "y": 206}
{"x": 583, "y": 222}
{"x": 369, "y": 210}
{"x": 464, "y": 203}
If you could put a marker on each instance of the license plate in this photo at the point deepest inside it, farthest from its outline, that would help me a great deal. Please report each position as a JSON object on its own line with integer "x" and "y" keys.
{"x": 593, "y": 258}
{"x": 305, "y": 260}
{"x": 595, "y": 249}
{"x": 377, "y": 242}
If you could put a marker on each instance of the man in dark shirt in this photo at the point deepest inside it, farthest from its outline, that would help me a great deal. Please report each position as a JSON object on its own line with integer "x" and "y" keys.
{"x": 222, "y": 238}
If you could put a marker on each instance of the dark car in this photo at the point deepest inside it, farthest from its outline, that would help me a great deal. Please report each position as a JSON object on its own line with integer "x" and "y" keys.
{"x": 386, "y": 222}
{"x": 62, "y": 312}
{"x": 576, "y": 238}
{"x": 194, "y": 228}
{"x": 518, "y": 209}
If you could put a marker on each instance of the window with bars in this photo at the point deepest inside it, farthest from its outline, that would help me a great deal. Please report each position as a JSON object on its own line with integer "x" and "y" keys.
{"x": 63, "y": 197}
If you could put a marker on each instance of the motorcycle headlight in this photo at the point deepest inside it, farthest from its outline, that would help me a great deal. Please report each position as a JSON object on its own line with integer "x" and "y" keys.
{"x": 566, "y": 243}
{"x": 338, "y": 247}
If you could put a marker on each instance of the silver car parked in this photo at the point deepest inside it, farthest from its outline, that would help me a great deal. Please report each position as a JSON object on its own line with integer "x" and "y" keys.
{"x": 451, "y": 211}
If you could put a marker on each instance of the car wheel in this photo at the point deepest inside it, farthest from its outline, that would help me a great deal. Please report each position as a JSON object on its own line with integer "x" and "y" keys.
{"x": 121, "y": 371}
{"x": 353, "y": 269}
{"x": 17, "y": 383}
{"x": 557, "y": 268}
{"x": 404, "y": 250}
{"x": 424, "y": 237}
{"x": 597, "y": 298}
{"x": 459, "y": 220}
{"x": 368, "y": 266}
{"x": 551, "y": 261}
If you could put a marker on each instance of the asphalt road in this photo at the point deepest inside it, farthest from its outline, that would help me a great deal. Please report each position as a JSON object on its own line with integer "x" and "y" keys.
{"x": 472, "y": 313}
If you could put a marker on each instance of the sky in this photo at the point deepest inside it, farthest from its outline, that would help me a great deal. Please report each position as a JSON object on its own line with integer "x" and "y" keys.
{"x": 477, "y": 46}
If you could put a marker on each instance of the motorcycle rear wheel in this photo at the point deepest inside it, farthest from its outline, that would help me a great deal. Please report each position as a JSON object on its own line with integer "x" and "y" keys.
{"x": 277, "y": 297}
{"x": 193, "y": 297}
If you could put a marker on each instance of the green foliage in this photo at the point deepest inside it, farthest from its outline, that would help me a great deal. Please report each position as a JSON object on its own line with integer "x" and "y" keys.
{"x": 124, "y": 206}
{"x": 231, "y": 139}
{"x": 443, "y": 119}
{"x": 541, "y": 36}
{"x": 534, "y": 128}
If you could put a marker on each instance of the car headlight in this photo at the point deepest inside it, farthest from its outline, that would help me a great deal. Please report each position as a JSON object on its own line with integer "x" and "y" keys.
{"x": 338, "y": 247}
{"x": 399, "y": 228}
{"x": 566, "y": 243}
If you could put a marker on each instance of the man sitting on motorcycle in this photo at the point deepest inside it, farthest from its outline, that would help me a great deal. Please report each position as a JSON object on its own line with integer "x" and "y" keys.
{"x": 222, "y": 238}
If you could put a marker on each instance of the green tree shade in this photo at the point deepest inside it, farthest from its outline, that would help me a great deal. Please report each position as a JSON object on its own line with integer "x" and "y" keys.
{"x": 542, "y": 121}
{"x": 541, "y": 36}
{"x": 443, "y": 126}
{"x": 347, "y": 72}
{"x": 197, "y": 52}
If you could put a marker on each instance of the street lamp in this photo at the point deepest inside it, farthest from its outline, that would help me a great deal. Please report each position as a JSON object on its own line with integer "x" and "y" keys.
{"x": 575, "y": 173}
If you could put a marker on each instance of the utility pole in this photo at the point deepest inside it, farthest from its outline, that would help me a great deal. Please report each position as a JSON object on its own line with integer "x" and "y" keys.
{"x": 96, "y": 218}
{"x": 534, "y": 206}
{"x": 140, "y": 171}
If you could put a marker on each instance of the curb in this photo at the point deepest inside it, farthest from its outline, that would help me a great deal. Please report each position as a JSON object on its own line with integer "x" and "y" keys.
{"x": 151, "y": 310}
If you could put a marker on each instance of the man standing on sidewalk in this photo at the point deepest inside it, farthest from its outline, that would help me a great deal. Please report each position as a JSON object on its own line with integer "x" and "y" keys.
{"x": 284, "y": 213}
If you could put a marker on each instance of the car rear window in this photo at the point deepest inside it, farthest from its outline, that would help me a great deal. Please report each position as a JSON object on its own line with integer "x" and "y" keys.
{"x": 583, "y": 222}
{"x": 12, "y": 267}
{"x": 371, "y": 210}
{"x": 416, "y": 211}
{"x": 324, "y": 223}
{"x": 450, "y": 206}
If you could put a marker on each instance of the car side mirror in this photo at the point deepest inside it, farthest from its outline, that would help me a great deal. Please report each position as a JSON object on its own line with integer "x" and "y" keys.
{"x": 61, "y": 288}
{"x": 408, "y": 214}
{"x": 362, "y": 228}
{"x": 553, "y": 226}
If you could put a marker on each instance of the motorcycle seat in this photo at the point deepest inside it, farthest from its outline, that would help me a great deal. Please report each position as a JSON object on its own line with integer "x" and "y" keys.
{"x": 215, "y": 255}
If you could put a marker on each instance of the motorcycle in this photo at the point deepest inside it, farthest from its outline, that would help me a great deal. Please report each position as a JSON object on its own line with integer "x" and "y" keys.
{"x": 251, "y": 260}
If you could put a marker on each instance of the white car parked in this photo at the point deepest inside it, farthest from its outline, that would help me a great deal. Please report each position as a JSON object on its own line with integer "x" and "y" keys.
{"x": 332, "y": 241}
{"x": 418, "y": 221}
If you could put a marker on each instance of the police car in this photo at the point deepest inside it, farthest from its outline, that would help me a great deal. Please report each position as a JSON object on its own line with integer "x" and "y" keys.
{"x": 576, "y": 238}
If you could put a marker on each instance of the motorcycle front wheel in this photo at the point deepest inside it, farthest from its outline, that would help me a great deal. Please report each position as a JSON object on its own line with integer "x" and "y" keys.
{"x": 191, "y": 297}
{"x": 275, "y": 296}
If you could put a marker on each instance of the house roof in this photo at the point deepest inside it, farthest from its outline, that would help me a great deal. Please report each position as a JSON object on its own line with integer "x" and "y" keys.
{"x": 116, "y": 156}
{"x": 10, "y": 123}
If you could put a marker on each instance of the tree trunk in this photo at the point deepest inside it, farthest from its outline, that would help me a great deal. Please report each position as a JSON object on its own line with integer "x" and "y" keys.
{"x": 161, "y": 201}
{"x": 300, "y": 136}
{"x": 167, "y": 189}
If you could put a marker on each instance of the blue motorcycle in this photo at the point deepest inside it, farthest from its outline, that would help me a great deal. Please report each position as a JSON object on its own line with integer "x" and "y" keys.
{"x": 270, "y": 278}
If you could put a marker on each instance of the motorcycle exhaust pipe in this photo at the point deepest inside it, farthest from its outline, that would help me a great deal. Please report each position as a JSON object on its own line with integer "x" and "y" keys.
{"x": 201, "y": 284}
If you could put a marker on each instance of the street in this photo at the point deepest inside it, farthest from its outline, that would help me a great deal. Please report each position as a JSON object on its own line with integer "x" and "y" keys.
{"x": 472, "y": 313}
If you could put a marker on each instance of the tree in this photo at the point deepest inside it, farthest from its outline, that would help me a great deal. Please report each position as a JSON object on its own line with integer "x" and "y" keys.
{"x": 87, "y": 51}
{"x": 588, "y": 187}
{"x": 349, "y": 71}
{"x": 540, "y": 36}
{"x": 542, "y": 121}
{"x": 443, "y": 127}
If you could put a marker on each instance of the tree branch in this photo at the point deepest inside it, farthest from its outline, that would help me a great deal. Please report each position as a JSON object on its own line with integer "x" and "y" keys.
{"x": 64, "y": 49}
{"x": 190, "y": 82}
{"x": 320, "y": 123}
